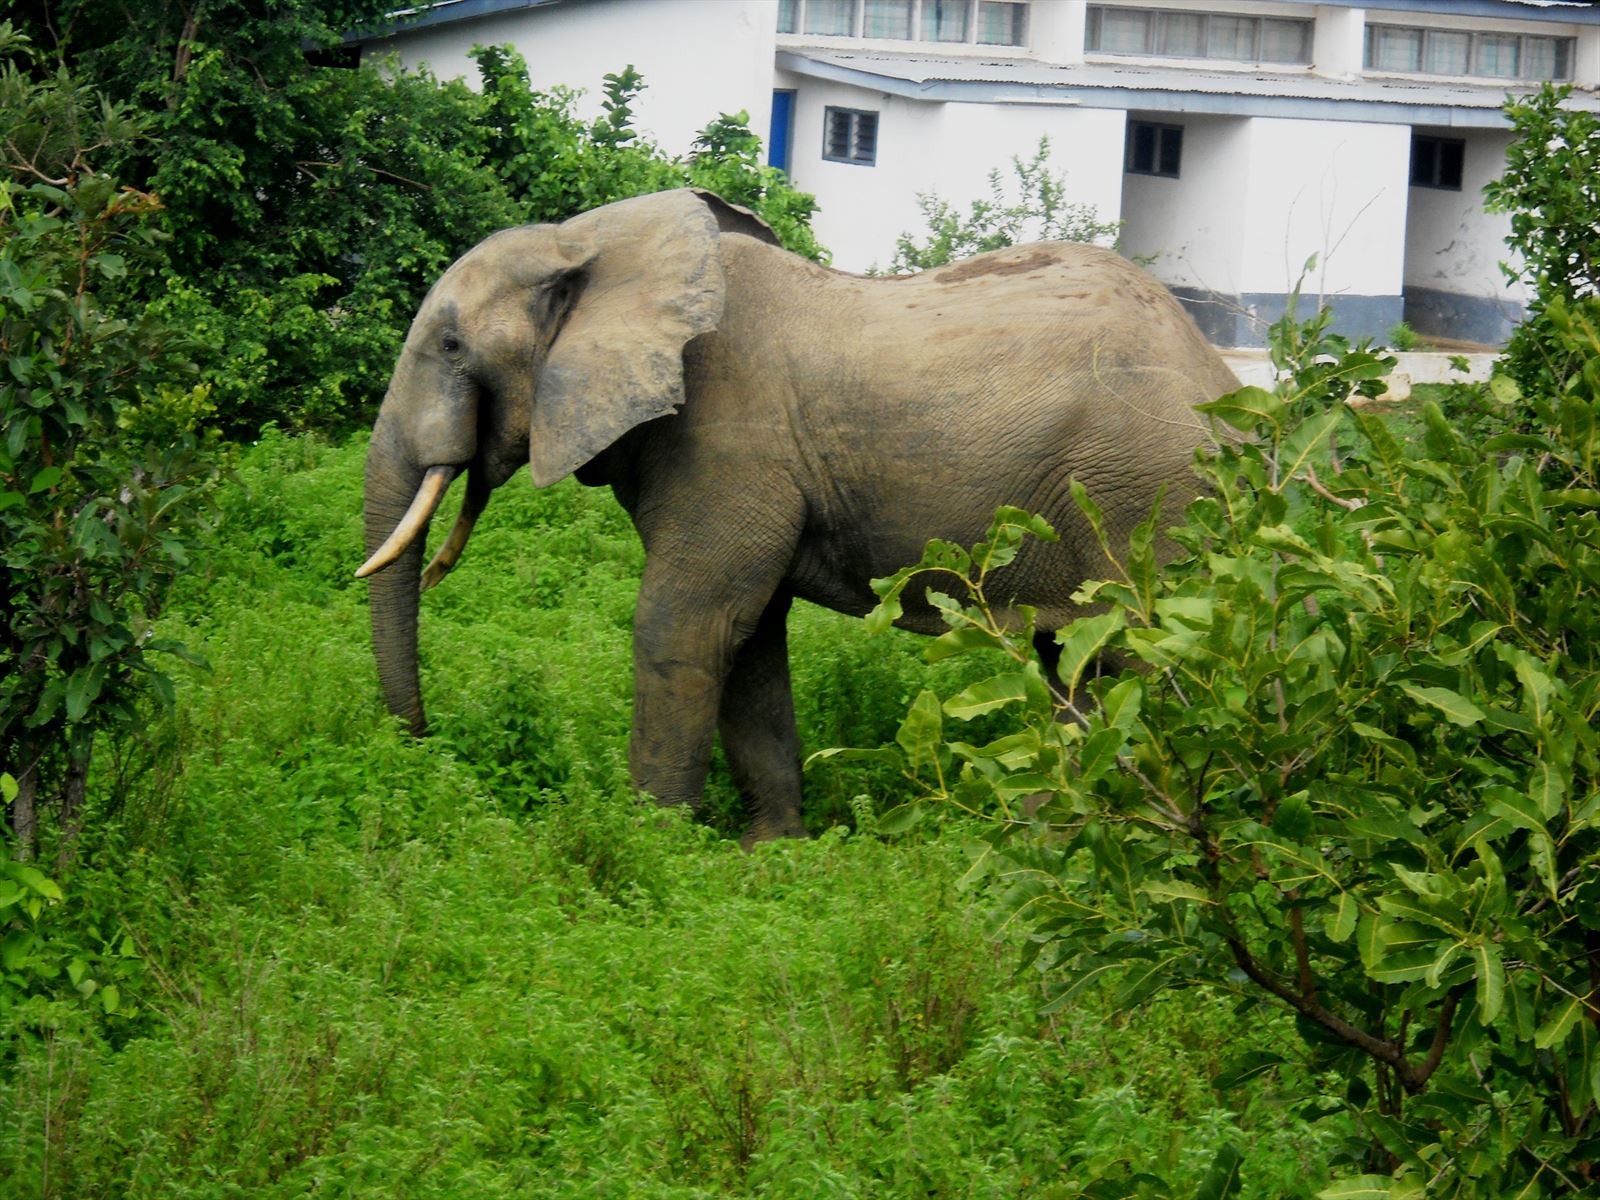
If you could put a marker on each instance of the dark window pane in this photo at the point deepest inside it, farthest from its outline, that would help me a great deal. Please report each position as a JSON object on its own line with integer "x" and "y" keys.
{"x": 1437, "y": 162}
{"x": 1424, "y": 155}
{"x": 1142, "y": 156}
{"x": 1171, "y": 151}
{"x": 1452, "y": 158}
{"x": 838, "y": 134}
{"x": 866, "y": 147}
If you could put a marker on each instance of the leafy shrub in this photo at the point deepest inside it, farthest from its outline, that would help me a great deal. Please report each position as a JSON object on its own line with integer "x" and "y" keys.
{"x": 1358, "y": 769}
{"x": 104, "y": 477}
{"x": 1550, "y": 188}
{"x": 1038, "y": 210}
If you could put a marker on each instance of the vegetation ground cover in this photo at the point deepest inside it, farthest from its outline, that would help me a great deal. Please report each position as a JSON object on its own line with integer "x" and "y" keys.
{"x": 257, "y": 944}
{"x": 350, "y": 964}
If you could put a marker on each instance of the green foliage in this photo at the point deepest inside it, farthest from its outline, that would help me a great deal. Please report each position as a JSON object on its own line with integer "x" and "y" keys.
{"x": 1550, "y": 188}
{"x": 726, "y": 159}
{"x": 103, "y": 475}
{"x": 368, "y": 965}
{"x": 311, "y": 205}
{"x": 1401, "y": 337}
{"x": 1037, "y": 209}
{"x": 1356, "y": 774}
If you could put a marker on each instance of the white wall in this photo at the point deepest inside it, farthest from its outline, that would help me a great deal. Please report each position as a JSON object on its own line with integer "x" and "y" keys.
{"x": 938, "y": 147}
{"x": 698, "y": 57}
{"x": 1338, "y": 41}
{"x": 1335, "y": 189}
{"x": 1452, "y": 245}
{"x": 1191, "y": 226}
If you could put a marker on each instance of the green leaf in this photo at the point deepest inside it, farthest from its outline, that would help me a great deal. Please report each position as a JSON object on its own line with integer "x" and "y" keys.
{"x": 1223, "y": 1177}
{"x": 1554, "y": 1031}
{"x": 1121, "y": 705}
{"x": 1361, "y": 1187}
{"x": 1172, "y": 889}
{"x": 921, "y": 734}
{"x": 1246, "y": 409}
{"x": 1340, "y": 920}
{"x": 901, "y": 818}
{"x": 1491, "y": 981}
{"x": 1456, "y": 708}
{"x": 987, "y": 695}
{"x": 1513, "y": 806}
{"x": 44, "y": 480}
{"x": 959, "y": 641}
{"x": 1081, "y": 643}
{"x": 34, "y": 879}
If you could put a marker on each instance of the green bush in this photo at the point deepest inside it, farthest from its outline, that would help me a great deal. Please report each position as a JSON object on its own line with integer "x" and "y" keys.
{"x": 1357, "y": 775}
{"x": 104, "y": 475}
{"x": 1038, "y": 210}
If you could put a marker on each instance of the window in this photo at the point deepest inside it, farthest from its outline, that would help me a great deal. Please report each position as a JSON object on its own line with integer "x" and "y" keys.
{"x": 1436, "y": 162}
{"x": 1164, "y": 34}
{"x": 1407, "y": 50}
{"x": 967, "y": 22}
{"x": 945, "y": 20}
{"x": 850, "y": 136}
{"x": 888, "y": 19}
{"x": 1153, "y": 149}
{"x": 831, "y": 18}
{"x": 1002, "y": 23}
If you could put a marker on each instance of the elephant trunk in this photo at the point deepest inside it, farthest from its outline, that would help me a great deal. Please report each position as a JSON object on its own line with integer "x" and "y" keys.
{"x": 393, "y": 481}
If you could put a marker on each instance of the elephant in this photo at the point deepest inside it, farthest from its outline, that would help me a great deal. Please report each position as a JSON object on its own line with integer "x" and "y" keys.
{"x": 776, "y": 430}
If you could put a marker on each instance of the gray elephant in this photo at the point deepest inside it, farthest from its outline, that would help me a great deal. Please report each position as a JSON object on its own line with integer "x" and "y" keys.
{"x": 776, "y": 430}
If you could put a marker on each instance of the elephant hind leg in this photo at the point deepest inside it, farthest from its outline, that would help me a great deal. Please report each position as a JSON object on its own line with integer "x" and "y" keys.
{"x": 758, "y": 731}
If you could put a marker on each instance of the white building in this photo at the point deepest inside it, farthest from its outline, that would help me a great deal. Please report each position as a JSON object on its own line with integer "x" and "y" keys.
{"x": 1234, "y": 141}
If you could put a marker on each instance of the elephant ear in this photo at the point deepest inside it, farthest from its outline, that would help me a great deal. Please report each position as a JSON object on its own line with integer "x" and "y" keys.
{"x": 651, "y": 280}
{"x": 736, "y": 218}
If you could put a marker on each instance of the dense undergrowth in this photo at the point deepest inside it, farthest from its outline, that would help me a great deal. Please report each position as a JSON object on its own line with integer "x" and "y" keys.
{"x": 353, "y": 965}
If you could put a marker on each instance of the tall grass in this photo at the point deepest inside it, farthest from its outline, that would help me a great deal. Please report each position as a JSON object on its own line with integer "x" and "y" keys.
{"x": 475, "y": 966}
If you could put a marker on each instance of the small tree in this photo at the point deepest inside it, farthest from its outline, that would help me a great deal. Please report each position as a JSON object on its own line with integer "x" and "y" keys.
{"x": 1551, "y": 189}
{"x": 1358, "y": 775}
{"x": 1036, "y": 210}
{"x": 103, "y": 478}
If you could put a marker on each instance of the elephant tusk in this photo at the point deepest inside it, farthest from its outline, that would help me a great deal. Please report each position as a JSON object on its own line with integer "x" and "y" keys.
{"x": 472, "y": 506}
{"x": 426, "y": 500}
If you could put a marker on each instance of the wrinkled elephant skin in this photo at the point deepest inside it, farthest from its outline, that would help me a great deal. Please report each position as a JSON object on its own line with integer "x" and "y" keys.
{"x": 776, "y": 430}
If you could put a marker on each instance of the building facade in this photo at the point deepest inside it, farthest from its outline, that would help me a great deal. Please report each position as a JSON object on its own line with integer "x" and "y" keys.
{"x": 1236, "y": 143}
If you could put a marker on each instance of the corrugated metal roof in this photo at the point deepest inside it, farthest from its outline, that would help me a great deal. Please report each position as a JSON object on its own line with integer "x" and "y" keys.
{"x": 1141, "y": 85}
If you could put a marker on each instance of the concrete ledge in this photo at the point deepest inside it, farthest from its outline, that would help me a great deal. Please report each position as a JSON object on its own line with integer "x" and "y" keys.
{"x": 1254, "y": 369}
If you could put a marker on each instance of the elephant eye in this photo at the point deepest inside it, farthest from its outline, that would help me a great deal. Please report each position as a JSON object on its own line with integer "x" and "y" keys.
{"x": 451, "y": 343}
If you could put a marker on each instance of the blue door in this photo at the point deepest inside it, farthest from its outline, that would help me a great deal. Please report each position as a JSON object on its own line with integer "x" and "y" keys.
{"x": 782, "y": 125}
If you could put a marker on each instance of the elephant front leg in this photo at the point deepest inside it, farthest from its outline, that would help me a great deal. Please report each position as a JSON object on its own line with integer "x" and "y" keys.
{"x": 684, "y": 645}
{"x": 696, "y": 668}
{"x": 758, "y": 729}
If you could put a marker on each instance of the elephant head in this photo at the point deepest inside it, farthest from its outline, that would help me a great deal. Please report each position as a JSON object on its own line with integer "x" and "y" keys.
{"x": 542, "y": 345}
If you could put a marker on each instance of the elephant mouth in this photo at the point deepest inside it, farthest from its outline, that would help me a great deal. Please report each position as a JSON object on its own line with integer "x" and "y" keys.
{"x": 429, "y": 492}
